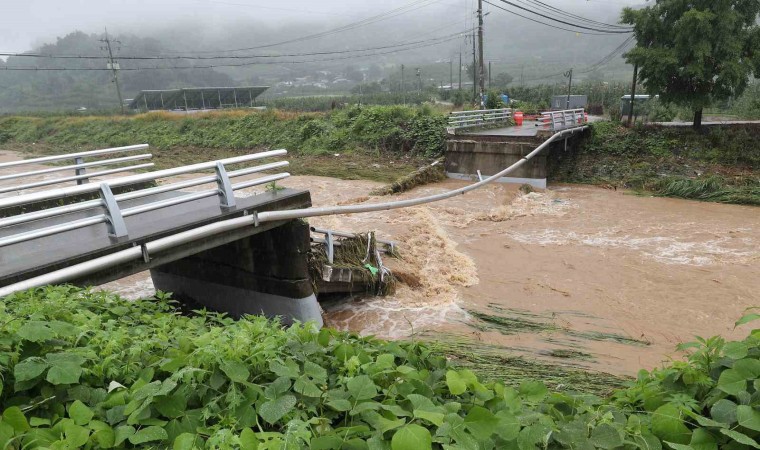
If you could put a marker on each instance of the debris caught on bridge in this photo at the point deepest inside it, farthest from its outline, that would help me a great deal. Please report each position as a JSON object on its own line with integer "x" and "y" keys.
{"x": 354, "y": 264}
{"x": 429, "y": 174}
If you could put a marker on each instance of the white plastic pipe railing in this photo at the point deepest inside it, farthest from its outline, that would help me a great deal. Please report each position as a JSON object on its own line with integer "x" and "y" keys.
{"x": 560, "y": 120}
{"x": 159, "y": 245}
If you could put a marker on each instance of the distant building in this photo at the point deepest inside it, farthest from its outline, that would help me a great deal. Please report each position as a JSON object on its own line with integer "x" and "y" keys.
{"x": 189, "y": 99}
{"x": 559, "y": 102}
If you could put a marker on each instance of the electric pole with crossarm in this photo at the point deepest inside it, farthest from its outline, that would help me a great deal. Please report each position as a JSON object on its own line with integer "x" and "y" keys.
{"x": 114, "y": 66}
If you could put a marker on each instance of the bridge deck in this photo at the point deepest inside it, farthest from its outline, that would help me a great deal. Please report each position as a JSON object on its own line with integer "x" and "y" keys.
{"x": 28, "y": 259}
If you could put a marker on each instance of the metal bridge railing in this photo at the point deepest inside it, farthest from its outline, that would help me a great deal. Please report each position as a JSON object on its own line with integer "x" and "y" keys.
{"x": 561, "y": 120}
{"x": 479, "y": 118}
{"x": 79, "y": 168}
{"x": 113, "y": 215}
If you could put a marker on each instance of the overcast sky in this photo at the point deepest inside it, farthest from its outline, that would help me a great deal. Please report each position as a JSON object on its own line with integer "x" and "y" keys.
{"x": 25, "y": 24}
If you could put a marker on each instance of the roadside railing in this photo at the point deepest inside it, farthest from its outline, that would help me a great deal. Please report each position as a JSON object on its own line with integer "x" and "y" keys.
{"x": 561, "y": 120}
{"x": 483, "y": 117}
{"x": 79, "y": 168}
{"x": 113, "y": 215}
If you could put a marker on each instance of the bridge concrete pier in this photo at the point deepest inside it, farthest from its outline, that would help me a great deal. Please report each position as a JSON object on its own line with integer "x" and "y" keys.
{"x": 264, "y": 274}
{"x": 490, "y": 151}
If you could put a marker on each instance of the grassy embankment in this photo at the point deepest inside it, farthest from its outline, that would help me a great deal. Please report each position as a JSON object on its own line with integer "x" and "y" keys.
{"x": 378, "y": 143}
{"x": 83, "y": 369}
{"x": 722, "y": 164}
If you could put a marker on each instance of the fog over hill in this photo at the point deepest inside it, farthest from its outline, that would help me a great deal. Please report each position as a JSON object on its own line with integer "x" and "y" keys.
{"x": 417, "y": 33}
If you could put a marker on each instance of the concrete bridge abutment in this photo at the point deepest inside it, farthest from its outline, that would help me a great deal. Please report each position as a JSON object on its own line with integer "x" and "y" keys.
{"x": 263, "y": 274}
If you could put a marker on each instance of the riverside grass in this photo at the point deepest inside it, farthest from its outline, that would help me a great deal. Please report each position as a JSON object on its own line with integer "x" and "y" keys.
{"x": 86, "y": 369}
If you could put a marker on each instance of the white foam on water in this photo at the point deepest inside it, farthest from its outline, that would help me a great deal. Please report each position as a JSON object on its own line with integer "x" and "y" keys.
{"x": 664, "y": 249}
{"x": 390, "y": 318}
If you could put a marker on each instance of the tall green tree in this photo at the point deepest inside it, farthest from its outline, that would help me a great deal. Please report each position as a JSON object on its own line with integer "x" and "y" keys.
{"x": 696, "y": 52}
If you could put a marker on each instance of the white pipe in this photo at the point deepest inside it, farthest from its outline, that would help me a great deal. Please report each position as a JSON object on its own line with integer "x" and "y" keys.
{"x": 124, "y": 181}
{"x": 129, "y": 148}
{"x": 86, "y": 268}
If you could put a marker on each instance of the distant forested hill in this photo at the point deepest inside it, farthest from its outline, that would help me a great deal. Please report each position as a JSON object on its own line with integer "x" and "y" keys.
{"x": 71, "y": 89}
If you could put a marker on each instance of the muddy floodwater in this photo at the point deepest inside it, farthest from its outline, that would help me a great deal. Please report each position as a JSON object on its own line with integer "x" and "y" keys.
{"x": 612, "y": 279}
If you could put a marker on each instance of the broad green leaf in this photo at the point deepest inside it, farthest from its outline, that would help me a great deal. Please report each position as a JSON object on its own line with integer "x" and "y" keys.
{"x": 606, "y": 436}
{"x": 235, "y": 371}
{"x": 248, "y": 440}
{"x": 289, "y": 370}
{"x": 29, "y": 369}
{"x": 362, "y": 387}
{"x": 339, "y": 404}
{"x": 533, "y": 391}
{"x": 748, "y": 417}
{"x": 732, "y": 382}
{"x": 508, "y": 427}
{"x": 735, "y": 350}
{"x": 189, "y": 441}
{"x": 35, "y": 331}
{"x": 16, "y": 419}
{"x": 315, "y": 371}
{"x": 123, "y": 433}
{"x": 740, "y": 437}
{"x": 329, "y": 442}
{"x": 724, "y": 411}
{"x": 436, "y": 418}
{"x": 65, "y": 373}
{"x": 274, "y": 410}
{"x": 105, "y": 438}
{"x": 148, "y": 434}
{"x": 668, "y": 425}
{"x": 307, "y": 388}
{"x": 703, "y": 440}
{"x": 481, "y": 422}
{"x": 412, "y": 437}
{"x": 76, "y": 435}
{"x": 454, "y": 381}
{"x": 80, "y": 413}
{"x": 380, "y": 423}
{"x": 171, "y": 406}
{"x": 749, "y": 368}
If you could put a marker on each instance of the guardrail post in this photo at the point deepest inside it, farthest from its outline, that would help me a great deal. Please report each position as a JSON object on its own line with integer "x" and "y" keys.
{"x": 116, "y": 225}
{"x": 226, "y": 193}
{"x": 81, "y": 171}
{"x": 329, "y": 243}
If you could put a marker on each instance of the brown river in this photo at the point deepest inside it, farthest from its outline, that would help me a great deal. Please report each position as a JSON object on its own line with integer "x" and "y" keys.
{"x": 619, "y": 278}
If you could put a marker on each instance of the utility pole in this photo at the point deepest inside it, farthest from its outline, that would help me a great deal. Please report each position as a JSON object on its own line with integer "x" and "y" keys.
{"x": 489, "y": 74}
{"x": 114, "y": 66}
{"x": 474, "y": 70}
{"x": 419, "y": 80}
{"x": 451, "y": 74}
{"x": 633, "y": 93}
{"x": 460, "y": 71}
{"x": 522, "y": 76}
{"x": 569, "y": 86}
{"x": 403, "y": 86}
{"x": 481, "y": 68}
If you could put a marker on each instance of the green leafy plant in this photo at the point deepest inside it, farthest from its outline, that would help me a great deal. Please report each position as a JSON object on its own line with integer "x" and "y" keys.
{"x": 87, "y": 369}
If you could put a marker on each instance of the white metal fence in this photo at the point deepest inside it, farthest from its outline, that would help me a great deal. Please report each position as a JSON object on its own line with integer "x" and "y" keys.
{"x": 561, "y": 120}
{"x": 479, "y": 118}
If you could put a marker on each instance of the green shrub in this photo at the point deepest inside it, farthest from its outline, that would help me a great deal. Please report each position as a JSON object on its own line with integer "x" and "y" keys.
{"x": 84, "y": 369}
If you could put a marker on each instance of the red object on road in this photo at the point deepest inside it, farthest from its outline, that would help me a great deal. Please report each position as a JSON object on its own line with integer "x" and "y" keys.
{"x": 518, "y": 118}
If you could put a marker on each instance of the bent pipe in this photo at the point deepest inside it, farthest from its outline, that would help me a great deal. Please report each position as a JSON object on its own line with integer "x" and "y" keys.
{"x": 97, "y": 264}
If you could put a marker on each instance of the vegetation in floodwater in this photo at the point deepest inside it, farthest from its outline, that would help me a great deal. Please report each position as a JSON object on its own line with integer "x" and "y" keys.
{"x": 509, "y": 321}
{"x": 360, "y": 255}
{"x": 569, "y": 354}
{"x": 85, "y": 369}
{"x": 428, "y": 174}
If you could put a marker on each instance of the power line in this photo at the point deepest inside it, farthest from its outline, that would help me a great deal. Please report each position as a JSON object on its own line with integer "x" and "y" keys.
{"x": 556, "y": 10}
{"x": 610, "y": 57}
{"x": 562, "y": 21}
{"x": 169, "y": 58}
{"x": 212, "y": 66}
{"x": 543, "y": 23}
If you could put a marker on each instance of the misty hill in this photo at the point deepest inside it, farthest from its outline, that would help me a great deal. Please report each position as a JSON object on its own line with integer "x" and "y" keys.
{"x": 309, "y": 55}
